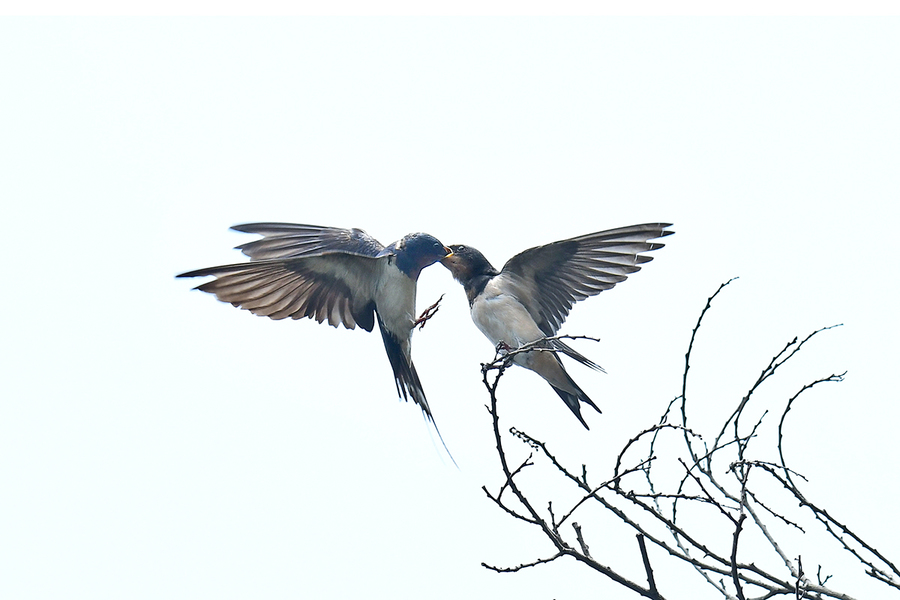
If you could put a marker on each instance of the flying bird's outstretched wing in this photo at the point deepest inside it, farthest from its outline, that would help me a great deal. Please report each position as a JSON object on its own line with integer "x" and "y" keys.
{"x": 339, "y": 288}
{"x": 549, "y": 279}
{"x": 287, "y": 240}
{"x": 342, "y": 276}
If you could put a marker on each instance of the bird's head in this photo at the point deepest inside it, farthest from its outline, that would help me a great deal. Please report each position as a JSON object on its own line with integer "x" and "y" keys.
{"x": 466, "y": 262}
{"x": 417, "y": 251}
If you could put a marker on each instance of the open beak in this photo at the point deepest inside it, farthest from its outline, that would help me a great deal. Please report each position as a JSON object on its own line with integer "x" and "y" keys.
{"x": 450, "y": 260}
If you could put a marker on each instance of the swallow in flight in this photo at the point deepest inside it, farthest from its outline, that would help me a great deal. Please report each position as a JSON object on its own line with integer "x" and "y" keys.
{"x": 343, "y": 276}
{"x": 531, "y": 297}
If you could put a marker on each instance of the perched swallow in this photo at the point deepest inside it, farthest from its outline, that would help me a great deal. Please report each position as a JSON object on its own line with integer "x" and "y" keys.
{"x": 531, "y": 297}
{"x": 344, "y": 276}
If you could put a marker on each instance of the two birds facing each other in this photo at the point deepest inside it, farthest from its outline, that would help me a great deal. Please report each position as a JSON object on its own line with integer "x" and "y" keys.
{"x": 346, "y": 277}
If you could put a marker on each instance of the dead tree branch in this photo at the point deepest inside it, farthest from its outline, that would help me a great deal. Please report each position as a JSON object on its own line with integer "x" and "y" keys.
{"x": 722, "y": 480}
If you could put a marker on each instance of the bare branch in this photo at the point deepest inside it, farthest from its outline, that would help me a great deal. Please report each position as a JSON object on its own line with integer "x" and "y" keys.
{"x": 651, "y": 581}
{"x": 734, "y": 562}
{"x": 540, "y": 561}
{"x": 584, "y": 547}
{"x": 790, "y": 403}
{"x": 677, "y": 510}
{"x": 687, "y": 362}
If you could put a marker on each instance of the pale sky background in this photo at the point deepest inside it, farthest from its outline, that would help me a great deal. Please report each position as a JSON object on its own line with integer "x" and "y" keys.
{"x": 155, "y": 443}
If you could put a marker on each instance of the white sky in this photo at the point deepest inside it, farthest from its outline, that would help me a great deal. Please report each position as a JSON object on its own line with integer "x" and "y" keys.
{"x": 155, "y": 443}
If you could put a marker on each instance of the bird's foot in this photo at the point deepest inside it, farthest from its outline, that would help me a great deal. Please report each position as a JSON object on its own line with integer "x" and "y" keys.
{"x": 427, "y": 314}
{"x": 503, "y": 346}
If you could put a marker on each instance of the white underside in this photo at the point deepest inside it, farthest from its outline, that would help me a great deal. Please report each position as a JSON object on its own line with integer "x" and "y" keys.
{"x": 395, "y": 297}
{"x": 502, "y": 318}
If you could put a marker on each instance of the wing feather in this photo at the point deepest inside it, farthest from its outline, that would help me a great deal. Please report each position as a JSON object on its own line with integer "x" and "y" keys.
{"x": 268, "y": 287}
{"x": 338, "y": 287}
{"x": 282, "y": 304}
{"x": 287, "y": 240}
{"x": 549, "y": 279}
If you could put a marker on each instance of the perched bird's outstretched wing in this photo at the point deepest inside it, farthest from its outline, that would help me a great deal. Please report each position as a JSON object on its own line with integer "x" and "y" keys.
{"x": 549, "y": 279}
{"x": 287, "y": 240}
{"x": 338, "y": 287}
